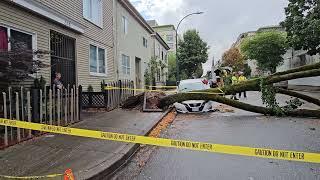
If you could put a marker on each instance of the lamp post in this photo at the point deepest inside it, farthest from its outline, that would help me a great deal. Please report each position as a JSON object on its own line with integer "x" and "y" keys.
{"x": 177, "y": 59}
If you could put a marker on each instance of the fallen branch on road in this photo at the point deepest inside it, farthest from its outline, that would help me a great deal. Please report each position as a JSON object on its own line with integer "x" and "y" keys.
{"x": 237, "y": 104}
{"x": 255, "y": 85}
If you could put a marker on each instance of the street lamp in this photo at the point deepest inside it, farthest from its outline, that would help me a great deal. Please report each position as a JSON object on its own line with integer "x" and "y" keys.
{"x": 177, "y": 64}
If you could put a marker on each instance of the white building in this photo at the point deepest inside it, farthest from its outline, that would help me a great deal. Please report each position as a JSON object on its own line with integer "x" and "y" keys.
{"x": 136, "y": 44}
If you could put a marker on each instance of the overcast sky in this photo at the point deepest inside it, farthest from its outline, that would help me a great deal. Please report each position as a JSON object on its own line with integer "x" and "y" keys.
{"x": 222, "y": 21}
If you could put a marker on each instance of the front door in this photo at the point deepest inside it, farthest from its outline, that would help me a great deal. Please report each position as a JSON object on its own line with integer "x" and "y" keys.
{"x": 63, "y": 52}
{"x": 138, "y": 72}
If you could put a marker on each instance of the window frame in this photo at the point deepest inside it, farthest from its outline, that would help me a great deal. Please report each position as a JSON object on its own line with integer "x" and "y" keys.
{"x": 171, "y": 38}
{"x": 98, "y": 65}
{"x": 145, "y": 42}
{"x": 128, "y": 68}
{"x": 33, "y": 35}
{"x": 100, "y": 13}
{"x": 124, "y": 25}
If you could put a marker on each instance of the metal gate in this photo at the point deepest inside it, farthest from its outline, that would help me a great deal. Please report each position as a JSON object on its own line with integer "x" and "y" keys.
{"x": 62, "y": 49}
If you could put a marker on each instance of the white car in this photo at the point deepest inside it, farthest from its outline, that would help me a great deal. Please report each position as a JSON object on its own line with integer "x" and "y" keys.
{"x": 193, "y": 105}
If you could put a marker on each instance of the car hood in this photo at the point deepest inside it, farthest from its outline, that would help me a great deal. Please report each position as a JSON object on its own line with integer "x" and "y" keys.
{"x": 193, "y": 101}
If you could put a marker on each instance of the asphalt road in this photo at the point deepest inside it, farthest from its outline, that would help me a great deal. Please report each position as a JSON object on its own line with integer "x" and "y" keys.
{"x": 237, "y": 128}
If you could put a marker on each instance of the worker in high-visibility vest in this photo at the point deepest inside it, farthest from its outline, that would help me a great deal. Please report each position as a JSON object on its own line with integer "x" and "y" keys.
{"x": 234, "y": 80}
{"x": 241, "y": 79}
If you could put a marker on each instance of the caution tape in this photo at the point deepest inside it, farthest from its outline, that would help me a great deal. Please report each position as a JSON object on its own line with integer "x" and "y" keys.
{"x": 68, "y": 175}
{"x": 180, "y": 144}
{"x": 31, "y": 177}
{"x": 152, "y": 90}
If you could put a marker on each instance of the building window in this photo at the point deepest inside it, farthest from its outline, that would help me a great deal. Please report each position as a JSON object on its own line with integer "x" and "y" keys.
{"x": 159, "y": 51}
{"x": 125, "y": 24}
{"x": 11, "y": 39}
{"x": 170, "y": 45}
{"x": 92, "y": 11}
{"x": 97, "y": 60}
{"x": 145, "y": 42}
{"x": 162, "y": 55}
{"x": 169, "y": 38}
{"x": 126, "y": 64}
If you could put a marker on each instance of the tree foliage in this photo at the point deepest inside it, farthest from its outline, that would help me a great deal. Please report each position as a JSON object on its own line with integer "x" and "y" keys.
{"x": 302, "y": 24}
{"x": 19, "y": 63}
{"x": 192, "y": 52}
{"x": 172, "y": 67}
{"x": 267, "y": 48}
{"x": 233, "y": 58}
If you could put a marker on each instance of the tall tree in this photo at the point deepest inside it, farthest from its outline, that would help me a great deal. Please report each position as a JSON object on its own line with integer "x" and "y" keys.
{"x": 302, "y": 24}
{"x": 192, "y": 52}
{"x": 267, "y": 48}
{"x": 233, "y": 58}
{"x": 172, "y": 68}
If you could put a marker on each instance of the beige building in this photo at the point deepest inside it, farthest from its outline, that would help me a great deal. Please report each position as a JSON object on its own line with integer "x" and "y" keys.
{"x": 136, "y": 44}
{"x": 79, "y": 34}
{"x": 167, "y": 32}
{"x": 89, "y": 40}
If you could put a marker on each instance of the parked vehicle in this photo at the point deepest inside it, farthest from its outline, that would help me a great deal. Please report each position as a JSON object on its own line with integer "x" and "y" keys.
{"x": 193, "y": 105}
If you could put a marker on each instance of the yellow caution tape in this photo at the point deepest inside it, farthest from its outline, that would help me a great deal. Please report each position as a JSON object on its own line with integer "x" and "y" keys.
{"x": 151, "y": 90}
{"x": 180, "y": 144}
{"x": 32, "y": 177}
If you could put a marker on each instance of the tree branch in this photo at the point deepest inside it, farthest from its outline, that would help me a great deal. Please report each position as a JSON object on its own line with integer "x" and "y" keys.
{"x": 298, "y": 69}
{"x": 299, "y": 95}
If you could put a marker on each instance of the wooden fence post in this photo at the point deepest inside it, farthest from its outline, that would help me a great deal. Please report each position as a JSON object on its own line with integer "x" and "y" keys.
{"x": 50, "y": 106}
{"x": 77, "y": 104}
{"x": 18, "y": 116}
{"x": 5, "y": 116}
{"x": 80, "y": 101}
{"x": 71, "y": 106}
{"x": 22, "y": 117}
{"x": 54, "y": 102}
{"x": 58, "y": 106}
{"x": 10, "y": 112}
{"x": 45, "y": 105}
{"x": 29, "y": 111}
{"x": 41, "y": 106}
{"x": 66, "y": 107}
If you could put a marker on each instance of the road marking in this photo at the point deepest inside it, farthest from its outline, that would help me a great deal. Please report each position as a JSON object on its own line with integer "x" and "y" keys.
{"x": 180, "y": 144}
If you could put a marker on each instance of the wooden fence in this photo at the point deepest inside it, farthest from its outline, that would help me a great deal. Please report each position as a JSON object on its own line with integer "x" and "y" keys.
{"x": 47, "y": 106}
{"x": 108, "y": 99}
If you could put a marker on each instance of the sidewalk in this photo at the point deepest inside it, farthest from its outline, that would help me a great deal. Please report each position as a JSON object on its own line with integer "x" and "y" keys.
{"x": 88, "y": 158}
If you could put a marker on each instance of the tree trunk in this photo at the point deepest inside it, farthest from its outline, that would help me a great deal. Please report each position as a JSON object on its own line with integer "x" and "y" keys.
{"x": 299, "y": 69}
{"x": 248, "y": 107}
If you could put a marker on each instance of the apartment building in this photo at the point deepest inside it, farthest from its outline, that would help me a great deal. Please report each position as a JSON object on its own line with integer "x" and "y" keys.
{"x": 79, "y": 34}
{"x": 167, "y": 32}
{"x": 136, "y": 44}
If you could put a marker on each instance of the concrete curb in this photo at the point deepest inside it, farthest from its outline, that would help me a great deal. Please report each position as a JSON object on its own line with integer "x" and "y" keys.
{"x": 117, "y": 162}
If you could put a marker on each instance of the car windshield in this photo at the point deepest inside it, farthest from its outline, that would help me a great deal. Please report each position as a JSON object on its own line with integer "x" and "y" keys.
{"x": 185, "y": 87}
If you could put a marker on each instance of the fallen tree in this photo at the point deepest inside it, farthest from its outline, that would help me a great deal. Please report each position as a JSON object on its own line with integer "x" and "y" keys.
{"x": 255, "y": 85}
{"x": 248, "y": 107}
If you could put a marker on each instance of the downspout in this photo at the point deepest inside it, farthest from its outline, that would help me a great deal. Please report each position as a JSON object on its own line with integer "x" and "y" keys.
{"x": 115, "y": 40}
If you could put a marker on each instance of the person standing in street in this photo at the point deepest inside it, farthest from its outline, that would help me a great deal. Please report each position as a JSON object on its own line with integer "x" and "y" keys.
{"x": 241, "y": 79}
{"x": 234, "y": 80}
